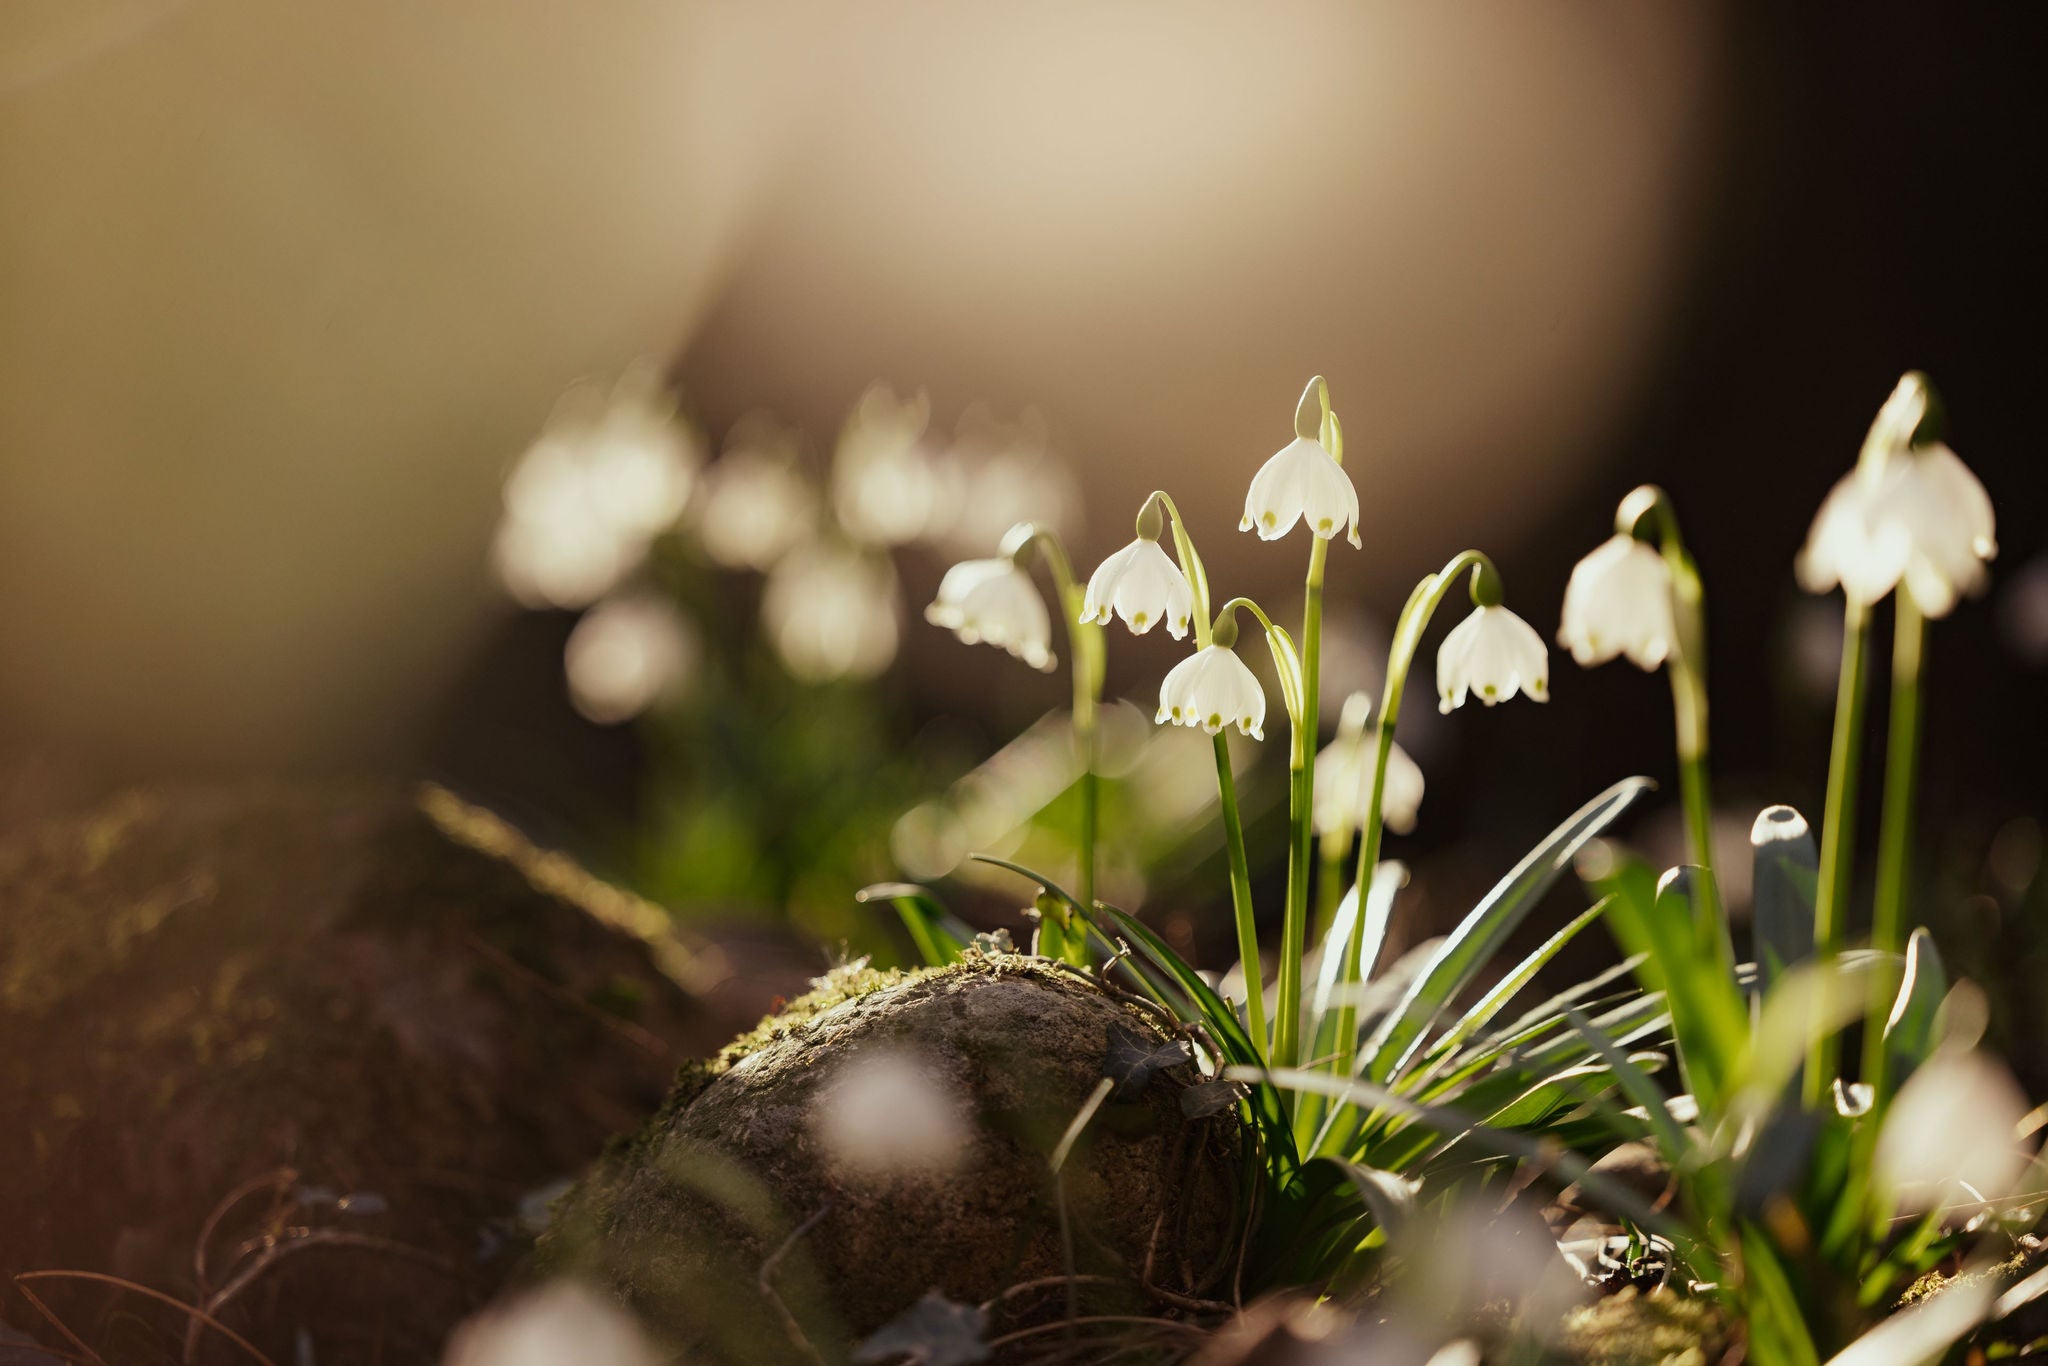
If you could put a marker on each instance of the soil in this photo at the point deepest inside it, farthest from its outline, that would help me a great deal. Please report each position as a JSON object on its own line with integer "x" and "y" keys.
{"x": 739, "y": 1233}
{"x": 303, "y": 1056}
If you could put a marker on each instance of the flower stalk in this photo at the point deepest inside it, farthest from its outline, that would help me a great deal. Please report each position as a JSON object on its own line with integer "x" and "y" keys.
{"x": 1087, "y": 661}
{"x": 1648, "y": 514}
{"x": 1837, "y": 841}
{"x": 1408, "y": 628}
{"x": 1226, "y": 781}
{"x": 1895, "y": 833}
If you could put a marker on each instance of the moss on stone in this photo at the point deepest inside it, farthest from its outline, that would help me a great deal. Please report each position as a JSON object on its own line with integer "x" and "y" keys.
{"x": 1661, "y": 1328}
{"x": 683, "y": 1218}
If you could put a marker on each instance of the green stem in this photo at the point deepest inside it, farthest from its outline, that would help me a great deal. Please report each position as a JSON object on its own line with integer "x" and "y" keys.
{"x": 1226, "y": 794}
{"x": 1301, "y": 775}
{"x": 1087, "y": 652}
{"x": 1837, "y": 833}
{"x": 1895, "y": 834}
{"x": 1408, "y": 629}
{"x": 1687, "y": 668}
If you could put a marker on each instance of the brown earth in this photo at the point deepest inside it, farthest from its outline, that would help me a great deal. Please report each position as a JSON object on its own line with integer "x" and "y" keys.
{"x": 297, "y": 1055}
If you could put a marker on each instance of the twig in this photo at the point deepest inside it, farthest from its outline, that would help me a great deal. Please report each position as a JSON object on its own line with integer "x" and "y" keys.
{"x": 644, "y": 1039}
{"x": 765, "y": 1279}
{"x": 59, "y": 1324}
{"x": 280, "y": 1179}
{"x": 1020, "y": 1334}
{"x": 200, "y": 1314}
{"x": 277, "y": 1249}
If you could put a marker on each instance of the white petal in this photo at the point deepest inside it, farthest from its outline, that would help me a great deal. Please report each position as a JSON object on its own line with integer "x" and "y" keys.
{"x": 1619, "y": 602}
{"x": 1330, "y": 502}
{"x": 1098, "y": 599}
{"x": 1274, "y": 502}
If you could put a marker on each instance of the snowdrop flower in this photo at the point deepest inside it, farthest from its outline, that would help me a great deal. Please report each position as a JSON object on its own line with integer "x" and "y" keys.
{"x": 886, "y": 487}
{"x": 1491, "y": 655}
{"x": 1143, "y": 585}
{"x": 628, "y": 653}
{"x": 755, "y": 502}
{"x": 831, "y": 613}
{"x": 995, "y": 601}
{"x": 1344, "y": 778}
{"x": 1619, "y": 602}
{"x": 610, "y": 472}
{"x": 1212, "y": 688}
{"x": 1911, "y": 513}
{"x": 1301, "y": 482}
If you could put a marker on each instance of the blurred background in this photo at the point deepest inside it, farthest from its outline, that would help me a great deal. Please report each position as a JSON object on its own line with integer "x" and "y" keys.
{"x": 318, "y": 323}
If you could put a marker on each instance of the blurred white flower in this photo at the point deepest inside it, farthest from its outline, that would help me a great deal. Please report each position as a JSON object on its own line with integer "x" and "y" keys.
{"x": 997, "y": 474}
{"x": 1212, "y": 688}
{"x": 1911, "y": 513}
{"x": 607, "y": 474}
{"x": 1143, "y": 585}
{"x": 755, "y": 502}
{"x": 996, "y": 602}
{"x": 1302, "y": 481}
{"x": 886, "y": 1112}
{"x": 1343, "y": 783}
{"x": 1619, "y": 602}
{"x": 1491, "y": 655}
{"x": 1951, "y": 1136}
{"x": 556, "y": 1322}
{"x": 831, "y": 612}
{"x": 628, "y": 653}
{"x": 886, "y": 487}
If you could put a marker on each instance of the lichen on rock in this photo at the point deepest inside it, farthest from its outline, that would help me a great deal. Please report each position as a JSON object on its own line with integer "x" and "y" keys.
{"x": 745, "y": 1202}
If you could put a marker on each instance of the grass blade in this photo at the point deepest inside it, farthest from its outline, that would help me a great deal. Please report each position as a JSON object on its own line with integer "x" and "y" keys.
{"x": 1483, "y": 931}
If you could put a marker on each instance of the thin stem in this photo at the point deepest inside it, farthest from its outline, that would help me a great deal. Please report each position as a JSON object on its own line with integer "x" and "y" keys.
{"x": 1895, "y": 833}
{"x": 1301, "y": 760}
{"x": 1837, "y": 835}
{"x": 1226, "y": 794}
{"x": 1408, "y": 629}
{"x": 1086, "y": 647}
{"x": 1687, "y": 668}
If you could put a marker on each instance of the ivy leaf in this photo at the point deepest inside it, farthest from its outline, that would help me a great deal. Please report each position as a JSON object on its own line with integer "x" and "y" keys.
{"x": 1135, "y": 1059}
{"x": 935, "y": 1331}
{"x": 1209, "y": 1098}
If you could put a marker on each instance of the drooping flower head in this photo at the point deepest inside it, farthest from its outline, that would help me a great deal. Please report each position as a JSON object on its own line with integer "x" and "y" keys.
{"x": 1343, "y": 782}
{"x": 1141, "y": 584}
{"x": 1909, "y": 512}
{"x": 1302, "y": 482}
{"x": 1619, "y": 603}
{"x": 994, "y": 601}
{"x": 1212, "y": 688}
{"x": 1491, "y": 655}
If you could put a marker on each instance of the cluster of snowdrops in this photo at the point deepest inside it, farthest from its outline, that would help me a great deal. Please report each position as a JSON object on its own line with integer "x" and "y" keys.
{"x": 1809, "y": 1194}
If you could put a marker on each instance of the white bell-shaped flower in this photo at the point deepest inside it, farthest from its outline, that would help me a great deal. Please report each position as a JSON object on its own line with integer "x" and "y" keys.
{"x": 1491, "y": 655}
{"x": 994, "y": 601}
{"x": 1301, "y": 482}
{"x": 831, "y": 612}
{"x": 1619, "y": 603}
{"x": 1344, "y": 786}
{"x": 1141, "y": 584}
{"x": 1212, "y": 688}
{"x": 1916, "y": 514}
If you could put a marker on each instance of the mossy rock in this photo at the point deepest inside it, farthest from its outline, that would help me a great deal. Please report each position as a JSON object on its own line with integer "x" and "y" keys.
{"x": 737, "y": 1185}
{"x": 246, "y": 1003}
{"x": 1662, "y": 1328}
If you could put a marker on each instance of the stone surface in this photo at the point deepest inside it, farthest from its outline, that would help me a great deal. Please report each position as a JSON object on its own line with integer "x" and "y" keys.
{"x": 683, "y": 1219}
